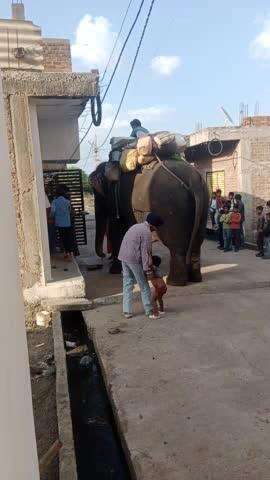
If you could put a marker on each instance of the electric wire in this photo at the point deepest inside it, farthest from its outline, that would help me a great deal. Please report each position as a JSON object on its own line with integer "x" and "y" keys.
{"x": 116, "y": 40}
{"x": 130, "y": 73}
{"x": 113, "y": 73}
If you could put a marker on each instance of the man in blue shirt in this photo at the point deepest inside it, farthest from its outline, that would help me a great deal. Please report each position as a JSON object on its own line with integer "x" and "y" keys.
{"x": 61, "y": 212}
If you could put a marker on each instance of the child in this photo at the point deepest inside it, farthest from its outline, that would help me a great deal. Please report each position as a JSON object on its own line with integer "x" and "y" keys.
{"x": 160, "y": 287}
{"x": 225, "y": 219}
{"x": 231, "y": 201}
{"x": 213, "y": 209}
{"x": 260, "y": 234}
{"x": 236, "y": 228}
{"x": 61, "y": 212}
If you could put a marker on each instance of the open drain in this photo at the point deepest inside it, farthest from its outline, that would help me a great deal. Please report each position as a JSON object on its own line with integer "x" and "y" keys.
{"x": 98, "y": 449}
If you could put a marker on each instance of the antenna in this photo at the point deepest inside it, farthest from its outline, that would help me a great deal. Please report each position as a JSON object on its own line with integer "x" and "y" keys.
{"x": 241, "y": 113}
{"x": 227, "y": 115}
{"x": 257, "y": 108}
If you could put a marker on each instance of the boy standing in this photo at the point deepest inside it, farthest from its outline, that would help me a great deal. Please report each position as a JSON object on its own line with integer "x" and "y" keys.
{"x": 236, "y": 228}
{"x": 160, "y": 287}
{"x": 260, "y": 234}
{"x": 225, "y": 220}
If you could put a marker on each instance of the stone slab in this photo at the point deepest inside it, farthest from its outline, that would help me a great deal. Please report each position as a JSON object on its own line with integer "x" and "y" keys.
{"x": 51, "y": 84}
{"x": 67, "y": 460}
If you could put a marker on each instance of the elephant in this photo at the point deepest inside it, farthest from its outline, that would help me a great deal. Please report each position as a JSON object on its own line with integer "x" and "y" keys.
{"x": 173, "y": 189}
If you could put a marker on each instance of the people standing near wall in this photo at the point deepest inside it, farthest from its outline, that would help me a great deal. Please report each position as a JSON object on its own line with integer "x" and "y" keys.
{"x": 219, "y": 212}
{"x": 235, "y": 223}
{"x": 72, "y": 215}
{"x": 61, "y": 213}
{"x": 260, "y": 231}
{"x": 225, "y": 219}
{"x": 241, "y": 208}
{"x": 136, "y": 257}
{"x": 267, "y": 208}
{"x": 266, "y": 235}
{"x": 213, "y": 209}
{"x": 231, "y": 201}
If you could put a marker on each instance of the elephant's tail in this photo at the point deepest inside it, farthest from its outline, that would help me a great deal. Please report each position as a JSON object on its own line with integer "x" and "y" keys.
{"x": 197, "y": 193}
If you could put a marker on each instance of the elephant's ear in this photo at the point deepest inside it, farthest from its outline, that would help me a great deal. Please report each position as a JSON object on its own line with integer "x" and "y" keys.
{"x": 96, "y": 180}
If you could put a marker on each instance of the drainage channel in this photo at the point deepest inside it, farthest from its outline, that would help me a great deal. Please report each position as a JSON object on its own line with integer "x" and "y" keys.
{"x": 98, "y": 449}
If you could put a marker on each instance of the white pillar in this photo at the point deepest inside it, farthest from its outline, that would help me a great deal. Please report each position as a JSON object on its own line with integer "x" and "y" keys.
{"x": 18, "y": 453}
{"x": 40, "y": 196}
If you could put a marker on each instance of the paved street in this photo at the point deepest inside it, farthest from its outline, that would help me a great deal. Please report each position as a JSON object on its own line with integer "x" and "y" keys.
{"x": 191, "y": 390}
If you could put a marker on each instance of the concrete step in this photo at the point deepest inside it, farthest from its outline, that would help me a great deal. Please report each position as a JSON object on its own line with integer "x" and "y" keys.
{"x": 66, "y": 304}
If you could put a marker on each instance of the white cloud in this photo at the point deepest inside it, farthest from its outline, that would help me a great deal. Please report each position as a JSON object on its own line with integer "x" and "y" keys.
{"x": 150, "y": 113}
{"x": 94, "y": 40}
{"x": 147, "y": 115}
{"x": 260, "y": 46}
{"x": 166, "y": 64}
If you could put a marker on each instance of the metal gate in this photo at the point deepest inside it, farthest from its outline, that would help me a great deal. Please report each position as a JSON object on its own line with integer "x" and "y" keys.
{"x": 72, "y": 178}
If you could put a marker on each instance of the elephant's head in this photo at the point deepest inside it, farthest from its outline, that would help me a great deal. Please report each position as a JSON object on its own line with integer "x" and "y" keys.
{"x": 99, "y": 184}
{"x": 98, "y": 180}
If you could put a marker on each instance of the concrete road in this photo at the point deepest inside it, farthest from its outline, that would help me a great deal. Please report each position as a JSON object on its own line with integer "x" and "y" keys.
{"x": 192, "y": 390}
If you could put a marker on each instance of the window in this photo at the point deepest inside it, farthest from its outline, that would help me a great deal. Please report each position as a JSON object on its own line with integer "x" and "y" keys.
{"x": 215, "y": 180}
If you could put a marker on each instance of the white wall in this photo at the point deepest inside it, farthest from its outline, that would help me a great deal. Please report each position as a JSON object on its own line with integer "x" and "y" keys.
{"x": 18, "y": 455}
{"x": 58, "y": 138}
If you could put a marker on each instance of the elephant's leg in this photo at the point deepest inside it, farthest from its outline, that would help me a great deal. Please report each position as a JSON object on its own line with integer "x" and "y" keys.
{"x": 115, "y": 234}
{"x": 195, "y": 274}
{"x": 101, "y": 218}
{"x": 178, "y": 270}
{"x": 100, "y": 235}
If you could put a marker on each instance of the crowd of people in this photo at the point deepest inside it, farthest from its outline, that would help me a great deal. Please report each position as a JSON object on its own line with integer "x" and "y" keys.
{"x": 228, "y": 219}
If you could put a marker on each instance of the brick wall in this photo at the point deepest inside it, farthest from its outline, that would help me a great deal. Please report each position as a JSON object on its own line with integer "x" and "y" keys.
{"x": 57, "y": 55}
{"x": 226, "y": 163}
{"x": 259, "y": 171}
{"x": 256, "y": 121}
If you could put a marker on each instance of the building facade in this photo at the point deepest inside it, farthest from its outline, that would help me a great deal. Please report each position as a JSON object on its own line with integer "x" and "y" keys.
{"x": 43, "y": 101}
{"x": 236, "y": 159}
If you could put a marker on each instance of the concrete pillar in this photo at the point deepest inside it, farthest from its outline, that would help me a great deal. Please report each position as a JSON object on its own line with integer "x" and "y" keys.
{"x": 17, "y": 9}
{"x": 40, "y": 192}
{"x": 18, "y": 454}
{"x": 28, "y": 219}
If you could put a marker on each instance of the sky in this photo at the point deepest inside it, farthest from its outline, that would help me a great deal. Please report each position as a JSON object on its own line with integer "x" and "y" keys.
{"x": 196, "y": 57}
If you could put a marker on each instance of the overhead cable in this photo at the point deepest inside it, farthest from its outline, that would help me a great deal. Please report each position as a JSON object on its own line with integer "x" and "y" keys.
{"x": 130, "y": 73}
{"x": 116, "y": 41}
{"x": 113, "y": 73}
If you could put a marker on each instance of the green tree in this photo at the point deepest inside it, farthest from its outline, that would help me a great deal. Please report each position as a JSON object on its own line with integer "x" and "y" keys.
{"x": 86, "y": 185}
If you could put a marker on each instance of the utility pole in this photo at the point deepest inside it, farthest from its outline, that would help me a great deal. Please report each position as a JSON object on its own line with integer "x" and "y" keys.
{"x": 96, "y": 150}
{"x": 18, "y": 451}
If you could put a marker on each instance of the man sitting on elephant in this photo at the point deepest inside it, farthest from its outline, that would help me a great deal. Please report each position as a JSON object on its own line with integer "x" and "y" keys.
{"x": 137, "y": 129}
{"x": 136, "y": 257}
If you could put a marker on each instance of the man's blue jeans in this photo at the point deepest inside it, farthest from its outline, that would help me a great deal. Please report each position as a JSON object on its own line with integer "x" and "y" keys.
{"x": 133, "y": 274}
{"x": 227, "y": 235}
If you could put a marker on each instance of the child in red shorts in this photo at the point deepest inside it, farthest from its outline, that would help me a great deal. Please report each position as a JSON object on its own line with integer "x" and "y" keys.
{"x": 160, "y": 287}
